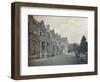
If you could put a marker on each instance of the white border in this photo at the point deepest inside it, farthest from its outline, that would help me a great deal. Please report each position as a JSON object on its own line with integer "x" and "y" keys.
{"x": 25, "y": 70}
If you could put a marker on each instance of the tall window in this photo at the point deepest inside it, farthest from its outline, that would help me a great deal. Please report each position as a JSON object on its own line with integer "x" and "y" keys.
{"x": 53, "y": 48}
{"x": 40, "y": 33}
{"x": 47, "y": 47}
{"x": 43, "y": 46}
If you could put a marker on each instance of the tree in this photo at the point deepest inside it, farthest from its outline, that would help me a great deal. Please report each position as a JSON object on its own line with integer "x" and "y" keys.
{"x": 83, "y": 45}
{"x": 75, "y": 47}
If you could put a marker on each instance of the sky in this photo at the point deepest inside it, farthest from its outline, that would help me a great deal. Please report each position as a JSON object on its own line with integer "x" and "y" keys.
{"x": 71, "y": 27}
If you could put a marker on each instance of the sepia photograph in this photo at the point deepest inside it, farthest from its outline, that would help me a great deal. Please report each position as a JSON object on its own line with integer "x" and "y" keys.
{"x": 57, "y": 40}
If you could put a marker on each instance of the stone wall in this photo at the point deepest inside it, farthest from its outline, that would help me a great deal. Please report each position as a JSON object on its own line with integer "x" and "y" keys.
{"x": 43, "y": 42}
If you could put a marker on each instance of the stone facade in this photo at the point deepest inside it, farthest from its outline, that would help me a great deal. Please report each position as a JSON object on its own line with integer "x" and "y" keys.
{"x": 43, "y": 42}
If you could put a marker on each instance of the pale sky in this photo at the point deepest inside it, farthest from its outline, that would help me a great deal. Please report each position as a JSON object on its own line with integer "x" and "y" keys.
{"x": 71, "y": 27}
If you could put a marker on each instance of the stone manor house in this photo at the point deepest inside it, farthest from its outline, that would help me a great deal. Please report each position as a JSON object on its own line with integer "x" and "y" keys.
{"x": 43, "y": 42}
